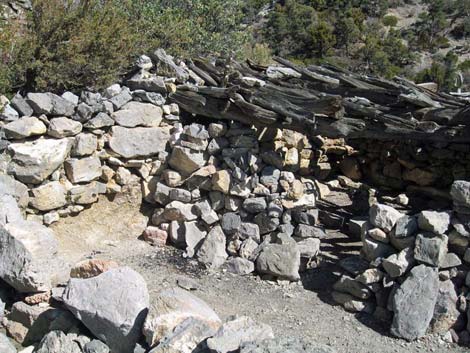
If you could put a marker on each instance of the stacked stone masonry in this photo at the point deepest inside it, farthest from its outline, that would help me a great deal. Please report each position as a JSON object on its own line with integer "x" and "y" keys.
{"x": 231, "y": 196}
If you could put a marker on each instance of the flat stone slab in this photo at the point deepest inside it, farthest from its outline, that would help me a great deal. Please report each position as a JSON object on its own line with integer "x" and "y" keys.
{"x": 112, "y": 306}
{"x": 413, "y": 303}
{"x": 33, "y": 162}
{"x": 138, "y": 142}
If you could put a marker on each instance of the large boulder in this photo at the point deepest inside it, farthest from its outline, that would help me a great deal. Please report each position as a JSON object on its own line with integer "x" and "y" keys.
{"x": 113, "y": 306}
{"x": 170, "y": 308}
{"x": 28, "y": 257}
{"x": 32, "y": 162}
{"x": 24, "y": 127}
{"x": 413, "y": 303}
{"x": 138, "y": 114}
{"x": 138, "y": 142}
{"x": 236, "y": 332}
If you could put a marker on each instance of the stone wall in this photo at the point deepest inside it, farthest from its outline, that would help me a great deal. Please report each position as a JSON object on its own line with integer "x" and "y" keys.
{"x": 230, "y": 195}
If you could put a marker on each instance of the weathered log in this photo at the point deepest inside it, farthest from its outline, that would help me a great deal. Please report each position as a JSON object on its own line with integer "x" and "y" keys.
{"x": 325, "y": 100}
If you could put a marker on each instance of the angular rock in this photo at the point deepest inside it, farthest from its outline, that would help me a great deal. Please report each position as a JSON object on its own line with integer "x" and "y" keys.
{"x": 118, "y": 96}
{"x": 236, "y": 332}
{"x": 265, "y": 223}
{"x": 64, "y": 127}
{"x": 384, "y": 216}
{"x": 113, "y": 306}
{"x": 138, "y": 114}
{"x": 240, "y": 266}
{"x": 193, "y": 238}
{"x": 72, "y": 98}
{"x": 33, "y": 162}
{"x": 21, "y": 106}
{"x": 83, "y": 170}
{"x": 186, "y": 337}
{"x": 212, "y": 251}
{"x": 101, "y": 120}
{"x": 172, "y": 307}
{"x": 280, "y": 260}
{"x": 149, "y": 97}
{"x": 84, "y": 145}
{"x": 249, "y": 230}
{"x": 397, "y": 265}
{"x": 255, "y": 204}
{"x": 49, "y": 196}
{"x": 86, "y": 194}
{"x": 378, "y": 234}
{"x": 221, "y": 181}
{"x": 460, "y": 192}
{"x": 305, "y": 231}
{"x": 58, "y": 342}
{"x": 91, "y": 268}
{"x": 95, "y": 346}
{"x": 351, "y": 303}
{"x": 50, "y": 104}
{"x": 146, "y": 82}
{"x": 5, "y": 344}
{"x": 372, "y": 249}
{"x": 431, "y": 249}
{"x": 185, "y": 160}
{"x": 435, "y": 222}
{"x": 12, "y": 187}
{"x": 405, "y": 226}
{"x": 9, "y": 210}
{"x": 446, "y": 313}
{"x": 309, "y": 248}
{"x": 369, "y": 276}
{"x": 230, "y": 223}
{"x": 349, "y": 285}
{"x": 179, "y": 211}
{"x": 28, "y": 257}
{"x": 8, "y": 113}
{"x": 166, "y": 66}
{"x": 24, "y": 127}
{"x": 138, "y": 142}
{"x": 413, "y": 303}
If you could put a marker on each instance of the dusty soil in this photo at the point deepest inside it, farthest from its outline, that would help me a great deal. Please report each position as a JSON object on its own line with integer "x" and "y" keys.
{"x": 301, "y": 309}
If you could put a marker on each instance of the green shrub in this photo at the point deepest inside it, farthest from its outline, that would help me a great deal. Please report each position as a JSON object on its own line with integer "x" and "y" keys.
{"x": 68, "y": 45}
{"x": 191, "y": 27}
{"x": 260, "y": 53}
{"x": 390, "y": 21}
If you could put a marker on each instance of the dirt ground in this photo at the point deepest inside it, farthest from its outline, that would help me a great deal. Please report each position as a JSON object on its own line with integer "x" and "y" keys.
{"x": 302, "y": 309}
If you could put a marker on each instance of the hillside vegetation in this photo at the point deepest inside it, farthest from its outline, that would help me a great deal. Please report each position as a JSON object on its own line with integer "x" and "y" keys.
{"x": 68, "y": 45}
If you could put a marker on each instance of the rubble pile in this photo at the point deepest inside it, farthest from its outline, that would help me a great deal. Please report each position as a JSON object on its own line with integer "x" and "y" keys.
{"x": 414, "y": 269}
